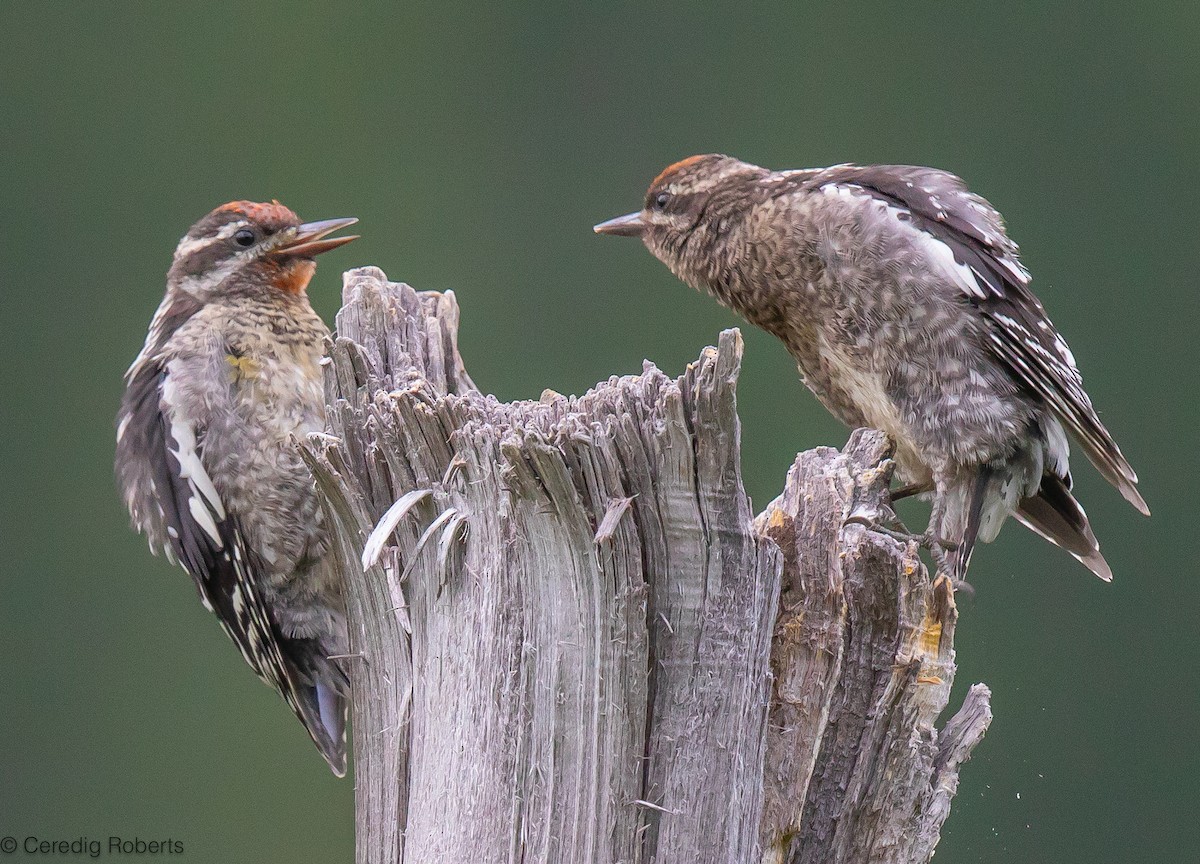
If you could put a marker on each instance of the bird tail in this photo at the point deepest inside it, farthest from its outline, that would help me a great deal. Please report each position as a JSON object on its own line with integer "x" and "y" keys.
{"x": 317, "y": 695}
{"x": 977, "y": 508}
{"x": 967, "y": 516}
{"x": 329, "y": 730}
{"x": 1055, "y": 515}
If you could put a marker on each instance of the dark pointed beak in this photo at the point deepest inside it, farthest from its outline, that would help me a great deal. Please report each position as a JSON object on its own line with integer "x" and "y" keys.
{"x": 630, "y": 225}
{"x": 308, "y": 240}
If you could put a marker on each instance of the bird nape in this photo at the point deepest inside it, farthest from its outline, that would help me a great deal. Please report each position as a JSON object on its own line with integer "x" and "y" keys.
{"x": 229, "y": 377}
{"x": 904, "y": 303}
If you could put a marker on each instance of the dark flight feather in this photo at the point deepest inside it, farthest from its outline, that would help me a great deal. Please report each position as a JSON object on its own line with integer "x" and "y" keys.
{"x": 1055, "y": 515}
{"x": 220, "y": 565}
{"x": 1022, "y": 335}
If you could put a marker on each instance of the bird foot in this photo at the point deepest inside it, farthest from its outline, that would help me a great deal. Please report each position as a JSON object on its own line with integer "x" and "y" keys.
{"x": 925, "y": 539}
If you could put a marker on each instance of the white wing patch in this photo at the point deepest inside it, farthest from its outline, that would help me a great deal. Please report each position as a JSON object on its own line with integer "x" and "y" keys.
{"x": 942, "y": 257}
{"x": 204, "y": 504}
{"x": 939, "y": 255}
{"x": 204, "y": 518}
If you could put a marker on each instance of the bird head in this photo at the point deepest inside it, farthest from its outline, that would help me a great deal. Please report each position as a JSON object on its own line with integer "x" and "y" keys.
{"x": 245, "y": 247}
{"x": 695, "y": 196}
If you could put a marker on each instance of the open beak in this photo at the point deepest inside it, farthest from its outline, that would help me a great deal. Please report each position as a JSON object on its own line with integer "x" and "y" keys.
{"x": 308, "y": 240}
{"x": 630, "y": 225}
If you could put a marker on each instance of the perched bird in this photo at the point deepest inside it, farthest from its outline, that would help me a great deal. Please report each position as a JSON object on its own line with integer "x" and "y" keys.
{"x": 903, "y": 302}
{"x": 228, "y": 380}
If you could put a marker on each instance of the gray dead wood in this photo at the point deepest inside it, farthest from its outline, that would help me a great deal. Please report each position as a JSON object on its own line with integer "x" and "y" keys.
{"x": 574, "y": 642}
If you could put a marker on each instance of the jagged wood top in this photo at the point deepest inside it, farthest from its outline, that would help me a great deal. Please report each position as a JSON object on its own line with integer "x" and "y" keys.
{"x": 577, "y": 645}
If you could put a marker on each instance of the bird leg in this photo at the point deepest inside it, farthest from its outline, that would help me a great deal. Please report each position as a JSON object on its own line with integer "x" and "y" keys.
{"x": 930, "y": 538}
{"x": 938, "y": 545}
{"x": 910, "y": 489}
{"x": 933, "y": 540}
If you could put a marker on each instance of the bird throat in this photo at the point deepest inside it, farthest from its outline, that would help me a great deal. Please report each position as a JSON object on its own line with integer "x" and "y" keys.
{"x": 293, "y": 276}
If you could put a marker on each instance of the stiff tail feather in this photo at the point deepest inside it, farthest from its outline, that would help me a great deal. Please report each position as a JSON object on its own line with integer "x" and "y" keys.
{"x": 977, "y": 495}
{"x": 318, "y": 698}
{"x": 331, "y": 714}
{"x": 1055, "y": 515}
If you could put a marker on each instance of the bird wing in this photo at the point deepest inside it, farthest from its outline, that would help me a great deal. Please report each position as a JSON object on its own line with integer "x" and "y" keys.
{"x": 1021, "y": 334}
{"x": 160, "y": 465}
{"x": 192, "y": 524}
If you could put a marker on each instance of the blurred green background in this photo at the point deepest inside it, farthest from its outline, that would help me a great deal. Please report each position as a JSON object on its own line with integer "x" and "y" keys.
{"x": 478, "y": 143}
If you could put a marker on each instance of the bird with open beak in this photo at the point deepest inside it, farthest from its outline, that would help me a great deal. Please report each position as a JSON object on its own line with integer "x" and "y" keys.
{"x": 227, "y": 382}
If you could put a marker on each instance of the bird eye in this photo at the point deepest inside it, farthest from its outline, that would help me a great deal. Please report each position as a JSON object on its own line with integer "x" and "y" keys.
{"x": 660, "y": 201}
{"x": 244, "y": 237}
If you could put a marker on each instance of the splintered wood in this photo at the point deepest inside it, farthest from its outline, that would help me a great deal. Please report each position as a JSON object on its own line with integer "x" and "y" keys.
{"x": 573, "y": 642}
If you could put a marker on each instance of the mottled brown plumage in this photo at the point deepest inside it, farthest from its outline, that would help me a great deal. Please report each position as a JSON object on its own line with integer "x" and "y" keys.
{"x": 904, "y": 303}
{"x": 228, "y": 381}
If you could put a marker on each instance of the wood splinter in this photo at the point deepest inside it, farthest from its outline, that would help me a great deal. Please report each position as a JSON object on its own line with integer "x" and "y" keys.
{"x": 613, "y": 659}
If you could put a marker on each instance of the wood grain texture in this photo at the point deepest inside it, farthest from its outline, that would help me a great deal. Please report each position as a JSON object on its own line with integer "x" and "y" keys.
{"x": 577, "y": 644}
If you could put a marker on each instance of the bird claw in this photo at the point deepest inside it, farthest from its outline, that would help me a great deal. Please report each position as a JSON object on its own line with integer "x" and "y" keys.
{"x": 937, "y": 546}
{"x": 926, "y": 539}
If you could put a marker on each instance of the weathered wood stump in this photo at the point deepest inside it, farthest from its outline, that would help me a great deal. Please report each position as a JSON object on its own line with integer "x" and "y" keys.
{"x": 574, "y": 642}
